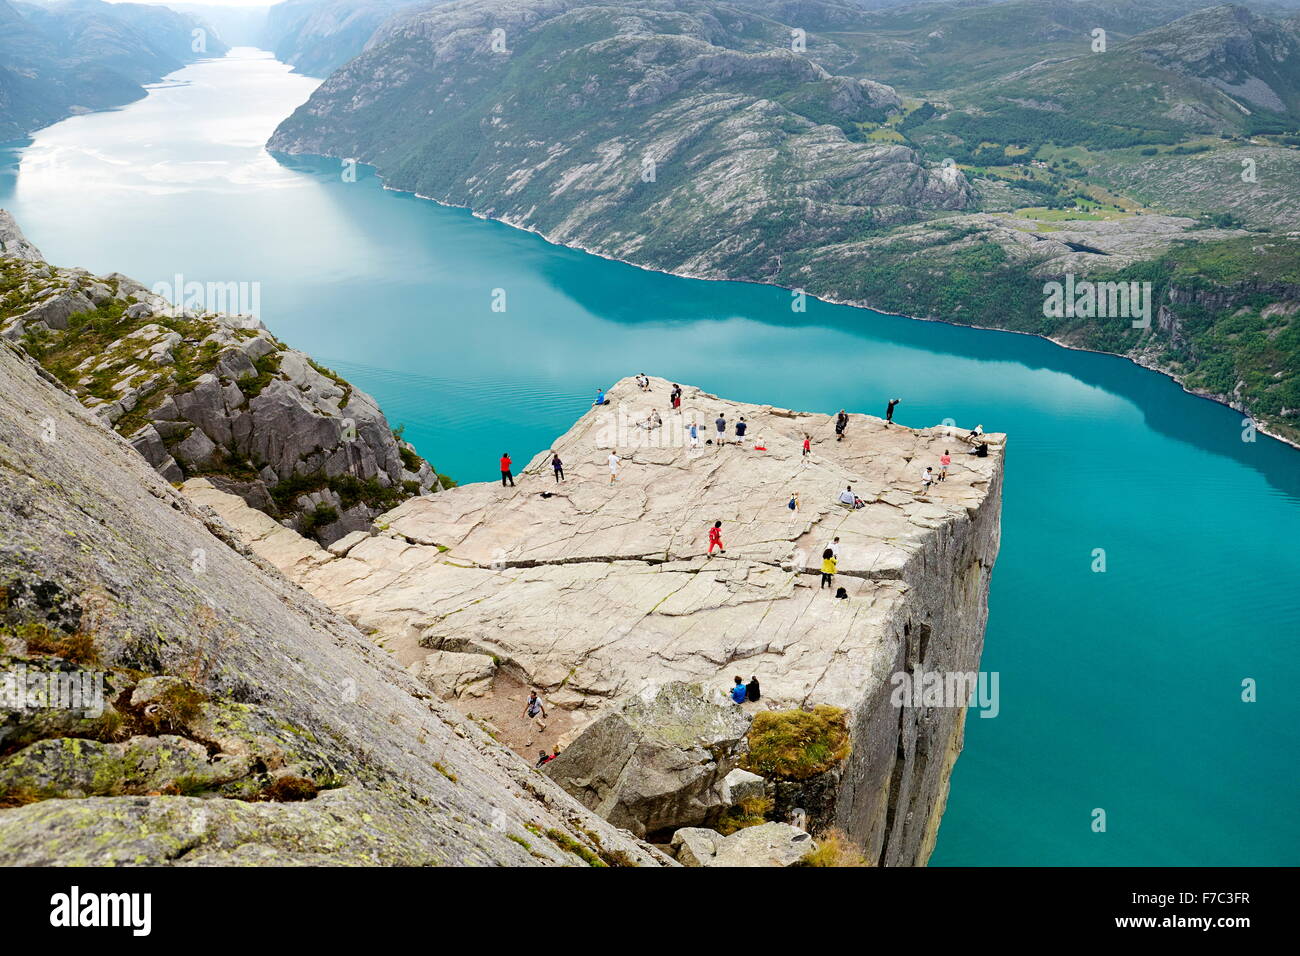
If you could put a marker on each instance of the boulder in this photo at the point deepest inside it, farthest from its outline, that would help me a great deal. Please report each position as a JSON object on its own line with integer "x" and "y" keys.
{"x": 197, "y": 449}
{"x": 742, "y": 785}
{"x": 56, "y": 310}
{"x": 449, "y": 674}
{"x": 656, "y": 761}
{"x": 768, "y": 844}
{"x": 148, "y": 441}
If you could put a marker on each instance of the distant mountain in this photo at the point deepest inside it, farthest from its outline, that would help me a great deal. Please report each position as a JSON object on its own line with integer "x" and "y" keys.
{"x": 63, "y": 58}
{"x": 236, "y": 26}
{"x": 316, "y": 37}
{"x": 949, "y": 43}
{"x": 1221, "y": 70}
{"x": 678, "y": 133}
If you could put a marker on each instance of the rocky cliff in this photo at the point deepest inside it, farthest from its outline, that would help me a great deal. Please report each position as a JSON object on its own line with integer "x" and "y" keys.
{"x": 597, "y": 591}
{"x": 228, "y": 717}
{"x": 201, "y": 392}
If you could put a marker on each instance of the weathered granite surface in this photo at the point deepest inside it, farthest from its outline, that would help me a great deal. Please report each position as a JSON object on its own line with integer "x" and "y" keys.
{"x": 224, "y": 682}
{"x": 594, "y": 591}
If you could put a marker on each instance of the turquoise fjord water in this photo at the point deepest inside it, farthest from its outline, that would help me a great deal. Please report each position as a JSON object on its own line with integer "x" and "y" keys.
{"x": 1119, "y": 690}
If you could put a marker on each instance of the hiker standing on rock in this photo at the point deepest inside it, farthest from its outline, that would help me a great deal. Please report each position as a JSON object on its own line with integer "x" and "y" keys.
{"x": 841, "y": 423}
{"x": 613, "y": 467}
{"x": 506, "y": 476}
{"x": 715, "y": 538}
{"x": 720, "y": 423}
{"x": 695, "y": 434}
{"x": 828, "y": 568}
{"x": 676, "y": 396}
{"x": 535, "y": 711}
{"x": 807, "y": 445}
{"x": 944, "y": 461}
{"x": 741, "y": 427}
{"x": 557, "y": 466}
{"x": 889, "y": 412}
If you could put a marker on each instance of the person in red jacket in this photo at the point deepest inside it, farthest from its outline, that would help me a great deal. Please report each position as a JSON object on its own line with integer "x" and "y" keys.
{"x": 506, "y": 476}
{"x": 715, "y": 537}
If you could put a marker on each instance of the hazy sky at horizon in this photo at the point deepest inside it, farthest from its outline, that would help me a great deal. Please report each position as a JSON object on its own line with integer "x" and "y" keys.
{"x": 202, "y": 3}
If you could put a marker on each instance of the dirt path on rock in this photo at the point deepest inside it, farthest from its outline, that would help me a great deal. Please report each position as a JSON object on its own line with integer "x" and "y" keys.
{"x": 503, "y": 708}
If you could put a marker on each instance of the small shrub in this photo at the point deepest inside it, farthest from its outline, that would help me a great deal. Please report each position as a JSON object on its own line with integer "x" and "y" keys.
{"x": 12, "y": 796}
{"x": 174, "y": 709}
{"x": 797, "y": 744}
{"x": 288, "y": 790}
{"x": 40, "y": 638}
{"x": 570, "y": 845}
{"x": 322, "y": 516}
{"x": 410, "y": 460}
{"x": 750, "y": 812}
{"x": 187, "y": 785}
{"x": 835, "y": 849}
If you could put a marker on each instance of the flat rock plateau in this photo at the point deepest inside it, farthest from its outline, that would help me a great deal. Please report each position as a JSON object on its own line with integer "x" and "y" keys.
{"x": 594, "y": 590}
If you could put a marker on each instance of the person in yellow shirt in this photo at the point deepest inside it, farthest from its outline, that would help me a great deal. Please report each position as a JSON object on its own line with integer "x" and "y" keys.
{"x": 828, "y": 568}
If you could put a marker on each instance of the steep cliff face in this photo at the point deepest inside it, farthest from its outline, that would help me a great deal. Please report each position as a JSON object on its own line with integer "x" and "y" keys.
{"x": 241, "y": 722}
{"x": 596, "y": 590}
{"x": 201, "y": 392}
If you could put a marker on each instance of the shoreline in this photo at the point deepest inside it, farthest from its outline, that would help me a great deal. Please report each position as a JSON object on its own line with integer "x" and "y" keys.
{"x": 831, "y": 300}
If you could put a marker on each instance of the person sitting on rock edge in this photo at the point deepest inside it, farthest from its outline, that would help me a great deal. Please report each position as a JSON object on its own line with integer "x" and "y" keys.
{"x": 738, "y": 691}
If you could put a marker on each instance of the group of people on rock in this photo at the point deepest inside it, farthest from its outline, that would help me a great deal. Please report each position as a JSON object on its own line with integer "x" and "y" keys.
{"x": 742, "y": 692}
{"x": 929, "y": 477}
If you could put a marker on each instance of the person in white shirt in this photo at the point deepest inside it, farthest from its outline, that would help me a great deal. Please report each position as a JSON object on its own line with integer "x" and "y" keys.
{"x": 834, "y": 547}
{"x": 613, "y": 467}
{"x": 927, "y": 479}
